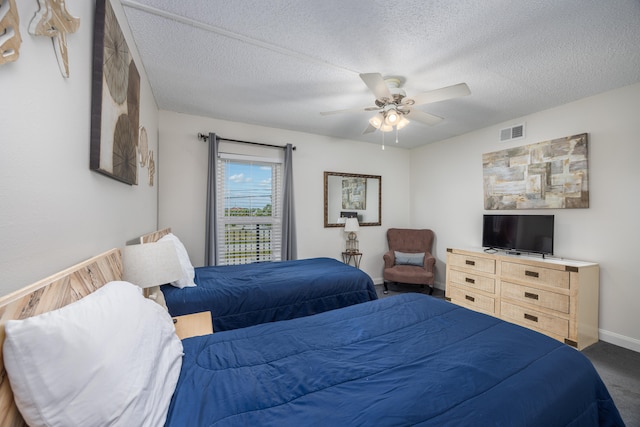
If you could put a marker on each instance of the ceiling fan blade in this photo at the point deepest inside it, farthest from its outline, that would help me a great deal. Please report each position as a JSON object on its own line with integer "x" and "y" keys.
{"x": 442, "y": 94}
{"x": 349, "y": 110}
{"x": 369, "y": 129}
{"x": 376, "y": 84}
{"x": 422, "y": 117}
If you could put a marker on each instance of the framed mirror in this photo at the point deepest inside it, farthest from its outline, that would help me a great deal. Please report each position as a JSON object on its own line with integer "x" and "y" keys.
{"x": 352, "y": 195}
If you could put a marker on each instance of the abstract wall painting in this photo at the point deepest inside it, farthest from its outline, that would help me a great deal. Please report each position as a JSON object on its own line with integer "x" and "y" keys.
{"x": 547, "y": 175}
{"x": 354, "y": 193}
{"x": 115, "y": 106}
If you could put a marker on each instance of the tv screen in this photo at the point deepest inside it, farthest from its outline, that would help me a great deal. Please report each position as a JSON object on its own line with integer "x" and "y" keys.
{"x": 526, "y": 233}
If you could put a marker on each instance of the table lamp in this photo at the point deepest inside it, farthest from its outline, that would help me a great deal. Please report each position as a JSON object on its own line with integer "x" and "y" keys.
{"x": 151, "y": 264}
{"x": 351, "y": 226}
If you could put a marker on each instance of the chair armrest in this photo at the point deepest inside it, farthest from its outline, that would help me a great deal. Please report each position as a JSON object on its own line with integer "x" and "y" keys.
{"x": 429, "y": 261}
{"x": 389, "y": 259}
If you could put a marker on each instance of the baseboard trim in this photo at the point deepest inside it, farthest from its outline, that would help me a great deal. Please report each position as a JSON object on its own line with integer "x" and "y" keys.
{"x": 620, "y": 340}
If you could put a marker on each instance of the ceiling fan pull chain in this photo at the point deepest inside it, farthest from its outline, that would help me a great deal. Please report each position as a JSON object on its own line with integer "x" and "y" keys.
{"x": 396, "y": 134}
{"x": 382, "y": 140}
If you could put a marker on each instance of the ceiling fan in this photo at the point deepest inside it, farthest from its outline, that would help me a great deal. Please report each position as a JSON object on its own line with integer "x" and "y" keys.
{"x": 395, "y": 108}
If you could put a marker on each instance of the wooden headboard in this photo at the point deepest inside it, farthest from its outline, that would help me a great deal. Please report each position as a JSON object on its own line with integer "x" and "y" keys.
{"x": 154, "y": 236}
{"x": 46, "y": 295}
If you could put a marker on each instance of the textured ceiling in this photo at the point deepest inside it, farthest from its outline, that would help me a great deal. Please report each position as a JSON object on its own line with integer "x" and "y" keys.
{"x": 280, "y": 63}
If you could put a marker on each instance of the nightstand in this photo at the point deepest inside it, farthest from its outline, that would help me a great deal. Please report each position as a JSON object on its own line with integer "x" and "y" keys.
{"x": 355, "y": 256}
{"x": 193, "y": 325}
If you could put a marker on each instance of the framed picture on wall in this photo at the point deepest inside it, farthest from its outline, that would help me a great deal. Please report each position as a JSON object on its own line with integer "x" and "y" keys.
{"x": 354, "y": 193}
{"x": 552, "y": 174}
{"x": 115, "y": 105}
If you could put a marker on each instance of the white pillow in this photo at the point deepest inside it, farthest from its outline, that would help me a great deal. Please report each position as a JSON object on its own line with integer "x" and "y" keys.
{"x": 185, "y": 262}
{"x": 112, "y": 358}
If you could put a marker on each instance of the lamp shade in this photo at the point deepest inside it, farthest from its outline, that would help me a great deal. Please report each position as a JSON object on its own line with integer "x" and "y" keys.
{"x": 391, "y": 118}
{"x": 151, "y": 264}
{"x": 351, "y": 225}
{"x": 402, "y": 123}
{"x": 376, "y": 121}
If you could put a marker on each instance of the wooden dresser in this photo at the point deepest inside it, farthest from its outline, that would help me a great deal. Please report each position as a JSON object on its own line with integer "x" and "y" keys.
{"x": 556, "y": 297}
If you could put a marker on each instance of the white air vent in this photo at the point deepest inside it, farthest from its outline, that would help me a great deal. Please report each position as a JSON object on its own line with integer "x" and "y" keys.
{"x": 515, "y": 132}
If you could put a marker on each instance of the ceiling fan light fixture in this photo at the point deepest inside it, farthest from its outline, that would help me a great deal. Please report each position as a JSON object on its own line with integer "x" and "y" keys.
{"x": 391, "y": 118}
{"x": 402, "y": 122}
{"x": 377, "y": 120}
{"x": 393, "y": 107}
{"x": 388, "y": 121}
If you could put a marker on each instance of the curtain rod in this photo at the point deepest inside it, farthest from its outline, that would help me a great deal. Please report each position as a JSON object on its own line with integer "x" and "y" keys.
{"x": 204, "y": 137}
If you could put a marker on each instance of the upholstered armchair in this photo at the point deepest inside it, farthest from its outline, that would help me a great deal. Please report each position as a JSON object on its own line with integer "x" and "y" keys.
{"x": 409, "y": 258}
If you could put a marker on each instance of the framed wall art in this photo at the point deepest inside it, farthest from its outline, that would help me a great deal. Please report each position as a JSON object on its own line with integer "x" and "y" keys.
{"x": 354, "y": 193}
{"x": 348, "y": 195}
{"x": 115, "y": 105}
{"x": 548, "y": 175}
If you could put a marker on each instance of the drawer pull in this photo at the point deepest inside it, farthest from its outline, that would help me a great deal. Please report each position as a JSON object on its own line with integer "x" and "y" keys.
{"x": 530, "y": 317}
{"x": 530, "y": 295}
{"x": 469, "y": 280}
{"x": 531, "y": 273}
{"x": 470, "y": 298}
{"x": 469, "y": 262}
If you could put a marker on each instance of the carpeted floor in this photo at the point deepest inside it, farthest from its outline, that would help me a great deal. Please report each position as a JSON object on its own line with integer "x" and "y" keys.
{"x": 618, "y": 367}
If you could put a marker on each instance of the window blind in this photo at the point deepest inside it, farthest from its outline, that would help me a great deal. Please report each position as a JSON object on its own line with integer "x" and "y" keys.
{"x": 249, "y": 210}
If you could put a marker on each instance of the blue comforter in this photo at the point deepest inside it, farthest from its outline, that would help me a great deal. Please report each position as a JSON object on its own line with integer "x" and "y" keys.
{"x": 404, "y": 360}
{"x": 243, "y": 295}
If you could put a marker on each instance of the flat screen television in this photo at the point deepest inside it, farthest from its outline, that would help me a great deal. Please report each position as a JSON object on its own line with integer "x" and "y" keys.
{"x": 519, "y": 233}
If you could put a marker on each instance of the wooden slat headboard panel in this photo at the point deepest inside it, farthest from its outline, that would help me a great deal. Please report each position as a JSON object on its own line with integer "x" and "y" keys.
{"x": 46, "y": 295}
{"x": 154, "y": 236}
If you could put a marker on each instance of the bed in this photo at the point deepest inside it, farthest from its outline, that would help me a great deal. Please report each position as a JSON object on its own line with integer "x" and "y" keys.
{"x": 434, "y": 364}
{"x": 243, "y": 295}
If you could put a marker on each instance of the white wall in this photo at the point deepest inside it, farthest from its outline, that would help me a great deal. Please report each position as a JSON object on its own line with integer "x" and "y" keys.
{"x": 183, "y": 161}
{"x": 54, "y": 211}
{"x": 608, "y": 232}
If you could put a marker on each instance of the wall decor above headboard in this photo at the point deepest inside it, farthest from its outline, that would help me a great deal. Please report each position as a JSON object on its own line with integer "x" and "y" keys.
{"x": 10, "y": 31}
{"x": 115, "y": 104}
{"x": 547, "y": 175}
{"x": 54, "y": 20}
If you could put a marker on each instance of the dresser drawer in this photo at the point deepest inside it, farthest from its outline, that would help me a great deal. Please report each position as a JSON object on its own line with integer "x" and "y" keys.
{"x": 472, "y": 300}
{"x": 535, "y": 275}
{"x": 537, "y": 297}
{"x": 464, "y": 280}
{"x": 534, "y": 319}
{"x": 473, "y": 263}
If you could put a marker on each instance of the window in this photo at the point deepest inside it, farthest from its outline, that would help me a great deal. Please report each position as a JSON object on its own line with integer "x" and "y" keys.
{"x": 249, "y": 210}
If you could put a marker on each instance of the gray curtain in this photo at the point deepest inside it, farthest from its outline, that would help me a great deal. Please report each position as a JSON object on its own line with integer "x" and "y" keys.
{"x": 289, "y": 245}
{"x": 211, "y": 231}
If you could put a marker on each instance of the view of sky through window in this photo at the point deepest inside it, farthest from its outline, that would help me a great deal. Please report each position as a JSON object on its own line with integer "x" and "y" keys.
{"x": 248, "y": 185}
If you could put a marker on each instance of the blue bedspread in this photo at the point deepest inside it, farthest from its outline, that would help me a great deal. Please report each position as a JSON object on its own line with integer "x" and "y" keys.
{"x": 250, "y": 294}
{"x": 404, "y": 360}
